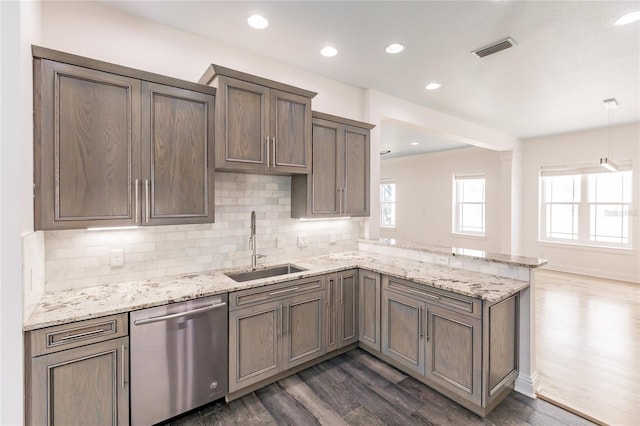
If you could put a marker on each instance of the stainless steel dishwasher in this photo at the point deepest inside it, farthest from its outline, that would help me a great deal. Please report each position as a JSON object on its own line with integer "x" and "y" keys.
{"x": 178, "y": 358}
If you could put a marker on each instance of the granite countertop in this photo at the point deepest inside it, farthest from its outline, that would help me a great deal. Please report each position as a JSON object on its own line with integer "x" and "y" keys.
{"x": 74, "y": 305}
{"x": 529, "y": 262}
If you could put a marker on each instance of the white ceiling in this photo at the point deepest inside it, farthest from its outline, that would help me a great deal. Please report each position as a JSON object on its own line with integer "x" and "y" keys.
{"x": 569, "y": 55}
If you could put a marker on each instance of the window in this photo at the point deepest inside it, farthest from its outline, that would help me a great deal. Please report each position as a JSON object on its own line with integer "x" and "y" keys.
{"x": 586, "y": 206}
{"x": 468, "y": 209}
{"x": 388, "y": 204}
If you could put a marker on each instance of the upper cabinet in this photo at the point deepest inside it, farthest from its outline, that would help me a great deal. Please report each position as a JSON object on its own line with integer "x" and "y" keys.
{"x": 262, "y": 126}
{"x": 340, "y": 176}
{"x": 119, "y": 147}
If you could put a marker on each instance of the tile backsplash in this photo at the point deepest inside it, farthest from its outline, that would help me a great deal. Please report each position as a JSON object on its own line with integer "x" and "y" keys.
{"x": 81, "y": 258}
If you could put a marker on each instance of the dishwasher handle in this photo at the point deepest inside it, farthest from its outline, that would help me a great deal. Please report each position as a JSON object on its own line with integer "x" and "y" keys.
{"x": 179, "y": 314}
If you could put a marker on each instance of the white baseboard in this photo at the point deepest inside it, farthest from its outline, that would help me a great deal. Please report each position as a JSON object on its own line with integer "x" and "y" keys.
{"x": 528, "y": 385}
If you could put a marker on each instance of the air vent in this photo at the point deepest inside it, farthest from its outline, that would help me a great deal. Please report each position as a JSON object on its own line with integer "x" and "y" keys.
{"x": 495, "y": 48}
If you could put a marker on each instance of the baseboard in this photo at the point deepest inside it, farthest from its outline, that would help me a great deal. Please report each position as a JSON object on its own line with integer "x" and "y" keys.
{"x": 609, "y": 275}
{"x": 528, "y": 385}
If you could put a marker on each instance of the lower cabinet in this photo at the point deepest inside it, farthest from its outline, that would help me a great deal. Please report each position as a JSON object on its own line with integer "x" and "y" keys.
{"x": 274, "y": 328}
{"x": 369, "y": 309}
{"x": 78, "y": 374}
{"x": 452, "y": 342}
{"x": 342, "y": 309}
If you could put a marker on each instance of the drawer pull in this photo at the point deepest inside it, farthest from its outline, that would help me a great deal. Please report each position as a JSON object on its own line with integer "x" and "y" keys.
{"x": 286, "y": 290}
{"x": 79, "y": 335}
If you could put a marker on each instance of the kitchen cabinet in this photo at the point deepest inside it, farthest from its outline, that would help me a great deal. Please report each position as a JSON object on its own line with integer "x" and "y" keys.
{"x": 369, "y": 309}
{"x": 119, "y": 147}
{"x": 339, "y": 183}
{"x": 263, "y": 126}
{"x": 342, "y": 309}
{"x": 78, "y": 373}
{"x": 274, "y": 328}
{"x": 452, "y": 342}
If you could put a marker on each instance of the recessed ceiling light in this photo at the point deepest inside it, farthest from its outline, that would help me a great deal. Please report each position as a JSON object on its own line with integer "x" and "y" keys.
{"x": 394, "y": 48}
{"x": 329, "y": 51}
{"x": 258, "y": 22}
{"x": 628, "y": 18}
{"x": 432, "y": 86}
{"x": 415, "y": 143}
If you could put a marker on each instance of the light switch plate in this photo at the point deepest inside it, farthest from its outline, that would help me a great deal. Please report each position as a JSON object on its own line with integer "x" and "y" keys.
{"x": 302, "y": 240}
{"x": 117, "y": 257}
{"x": 442, "y": 260}
{"x": 332, "y": 238}
{"x": 279, "y": 241}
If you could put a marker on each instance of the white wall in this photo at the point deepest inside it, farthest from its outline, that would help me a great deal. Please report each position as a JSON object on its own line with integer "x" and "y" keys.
{"x": 20, "y": 23}
{"x": 379, "y": 105}
{"x": 577, "y": 148}
{"x": 96, "y": 31}
{"x": 424, "y": 196}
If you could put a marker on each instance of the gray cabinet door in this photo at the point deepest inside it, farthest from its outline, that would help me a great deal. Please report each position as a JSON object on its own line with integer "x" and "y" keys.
{"x": 369, "y": 309}
{"x": 303, "y": 328}
{"x": 86, "y": 385}
{"x": 327, "y": 176}
{"x": 254, "y": 344}
{"x": 454, "y": 352}
{"x": 347, "y": 307}
{"x": 356, "y": 172}
{"x": 332, "y": 312}
{"x": 290, "y": 133}
{"x": 402, "y": 330}
{"x": 242, "y": 126}
{"x": 87, "y": 146}
{"x": 178, "y": 181}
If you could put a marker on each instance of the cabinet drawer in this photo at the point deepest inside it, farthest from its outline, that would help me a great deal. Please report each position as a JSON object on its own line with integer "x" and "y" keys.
{"x": 254, "y": 296}
{"x": 73, "y": 335}
{"x": 450, "y": 300}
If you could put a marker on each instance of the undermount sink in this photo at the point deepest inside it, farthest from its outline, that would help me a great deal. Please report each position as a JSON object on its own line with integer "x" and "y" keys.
{"x": 269, "y": 271}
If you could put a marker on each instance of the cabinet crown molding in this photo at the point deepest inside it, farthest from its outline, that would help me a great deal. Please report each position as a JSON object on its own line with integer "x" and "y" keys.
{"x": 94, "y": 64}
{"x": 214, "y": 70}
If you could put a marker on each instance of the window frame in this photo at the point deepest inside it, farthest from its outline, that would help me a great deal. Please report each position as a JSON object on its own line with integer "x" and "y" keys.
{"x": 457, "y": 225}
{"x": 584, "y": 237}
{"x": 393, "y": 203}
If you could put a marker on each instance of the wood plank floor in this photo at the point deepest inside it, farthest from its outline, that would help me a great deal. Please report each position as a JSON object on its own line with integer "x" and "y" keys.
{"x": 358, "y": 389}
{"x": 588, "y": 345}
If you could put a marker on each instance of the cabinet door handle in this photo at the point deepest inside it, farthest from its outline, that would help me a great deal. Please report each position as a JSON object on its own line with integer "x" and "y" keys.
{"x": 273, "y": 140}
{"x": 122, "y": 369}
{"x": 420, "y": 331}
{"x": 344, "y": 197}
{"x": 426, "y": 320}
{"x": 137, "y": 200}
{"x": 268, "y": 152}
{"x": 148, "y": 198}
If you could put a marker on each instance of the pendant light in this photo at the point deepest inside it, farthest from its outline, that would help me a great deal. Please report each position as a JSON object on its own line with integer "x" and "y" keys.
{"x": 609, "y": 105}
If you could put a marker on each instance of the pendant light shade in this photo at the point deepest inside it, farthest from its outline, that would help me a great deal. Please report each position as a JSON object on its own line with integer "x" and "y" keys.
{"x": 609, "y": 105}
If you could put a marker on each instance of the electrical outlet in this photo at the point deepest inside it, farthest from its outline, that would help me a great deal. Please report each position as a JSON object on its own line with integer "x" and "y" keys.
{"x": 117, "y": 257}
{"x": 332, "y": 238}
{"x": 302, "y": 240}
{"x": 442, "y": 260}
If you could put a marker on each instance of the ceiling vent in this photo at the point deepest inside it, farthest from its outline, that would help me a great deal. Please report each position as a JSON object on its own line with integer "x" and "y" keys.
{"x": 495, "y": 48}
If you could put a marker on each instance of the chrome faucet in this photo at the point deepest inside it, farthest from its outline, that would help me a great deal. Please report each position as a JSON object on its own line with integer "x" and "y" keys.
{"x": 252, "y": 242}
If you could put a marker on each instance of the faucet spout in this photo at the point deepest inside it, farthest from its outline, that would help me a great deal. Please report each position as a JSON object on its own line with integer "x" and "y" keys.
{"x": 252, "y": 241}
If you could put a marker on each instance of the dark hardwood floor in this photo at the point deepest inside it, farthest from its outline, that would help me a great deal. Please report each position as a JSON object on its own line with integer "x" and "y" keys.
{"x": 358, "y": 389}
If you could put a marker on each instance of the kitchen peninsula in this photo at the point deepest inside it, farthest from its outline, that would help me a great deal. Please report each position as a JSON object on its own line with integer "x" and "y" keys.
{"x": 477, "y": 299}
